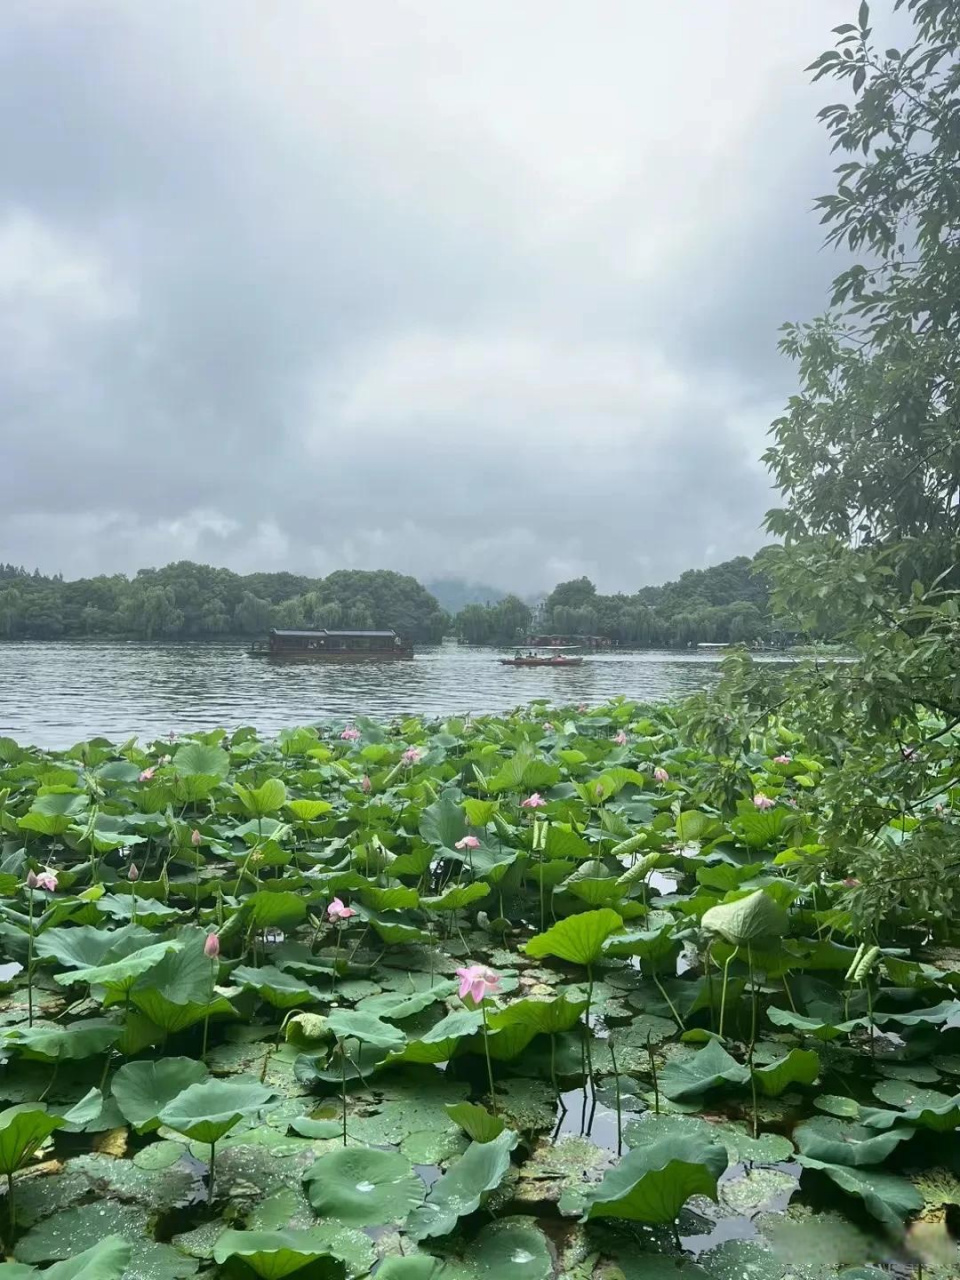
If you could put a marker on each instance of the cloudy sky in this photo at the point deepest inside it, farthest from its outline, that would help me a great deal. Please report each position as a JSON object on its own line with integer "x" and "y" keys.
{"x": 476, "y": 289}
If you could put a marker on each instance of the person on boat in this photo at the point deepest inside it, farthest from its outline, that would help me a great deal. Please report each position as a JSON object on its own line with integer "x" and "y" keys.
{"x": 517, "y": 656}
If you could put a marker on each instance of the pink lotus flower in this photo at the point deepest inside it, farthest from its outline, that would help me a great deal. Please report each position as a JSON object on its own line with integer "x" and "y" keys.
{"x": 620, "y": 739}
{"x": 196, "y": 839}
{"x": 31, "y": 879}
{"x": 350, "y": 735}
{"x": 45, "y": 880}
{"x": 478, "y": 982}
{"x": 148, "y": 773}
{"x": 536, "y": 801}
{"x": 582, "y": 707}
{"x": 411, "y": 756}
{"x": 851, "y": 882}
{"x": 211, "y": 947}
{"x": 133, "y": 874}
{"x": 337, "y": 910}
{"x": 660, "y": 775}
{"x": 762, "y": 801}
{"x": 365, "y": 784}
{"x": 784, "y": 759}
{"x": 468, "y": 842}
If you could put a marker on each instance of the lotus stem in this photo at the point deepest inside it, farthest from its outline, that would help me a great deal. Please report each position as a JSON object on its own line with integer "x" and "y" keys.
{"x": 586, "y": 1041}
{"x": 486, "y": 1054}
{"x": 11, "y": 1208}
{"x": 211, "y": 1172}
{"x": 30, "y": 962}
{"x": 670, "y": 1004}
{"x": 343, "y": 1087}
{"x": 616, "y": 1085}
{"x": 723, "y": 993}
{"x": 753, "y": 1038}
{"x": 653, "y": 1072}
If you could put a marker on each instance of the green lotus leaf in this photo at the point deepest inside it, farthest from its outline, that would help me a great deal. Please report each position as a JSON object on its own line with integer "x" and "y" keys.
{"x": 107, "y": 1260}
{"x": 24, "y": 1129}
{"x": 799, "y": 1066}
{"x": 205, "y": 1111}
{"x": 475, "y": 1121}
{"x": 457, "y": 897}
{"x": 837, "y": 1142}
{"x": 120, "y": 975}
{"x": 281, "y": 909}
{"x": 652, "y": 946}
{"x": 888, "y": 1198}
{"x": 578, "y": 938}
{"x": 443, "y": 823}
{"x": 309, "y": 810}
{"x": 194, "y": 759}
{"x": 273, "y": 1255}
{"x": 652, "y": 1183}
{"x": 940, "y": 1116}
{"x": 908, "y": 1096}
{"x": 275, "y": 986}
{"x": 820, "y": 1028}
{"x": 85, "y": 946}
{"x": 747, "y": 920}
{"x": 349, "y": 1024}
{"x": 52, "y": 1044}
{"x": 414, "y": 1266}
{"x": 463, "y": 1188}
{"x": 260, "y": 801}
{"x": 592, "y": 882}
{"x": 52, "y": 815}
{"x": 363, "y": 1186}
{"x": 399, "y": 897}
{"x": 692, "y": 1074}
{"x": 393, "y": 1006}
{"x": 440, "y": 1043}
{"x": 511, "y": 1249}
{"x": 548, "y": 1016}
{"x": 142, "y": 1089}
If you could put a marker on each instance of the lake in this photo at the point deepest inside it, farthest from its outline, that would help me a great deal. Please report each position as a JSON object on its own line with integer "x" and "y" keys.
{"x": 55, "y": 694}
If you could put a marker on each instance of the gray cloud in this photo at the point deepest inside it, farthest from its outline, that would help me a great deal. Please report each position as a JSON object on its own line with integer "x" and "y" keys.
{"x": 484, "y": 290}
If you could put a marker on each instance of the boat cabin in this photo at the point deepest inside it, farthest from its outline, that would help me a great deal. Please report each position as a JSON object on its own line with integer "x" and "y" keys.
{"x": 332, "y": 646}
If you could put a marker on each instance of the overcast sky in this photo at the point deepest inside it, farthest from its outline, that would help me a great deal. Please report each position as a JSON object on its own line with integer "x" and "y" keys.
{"x": 485, "y": 289}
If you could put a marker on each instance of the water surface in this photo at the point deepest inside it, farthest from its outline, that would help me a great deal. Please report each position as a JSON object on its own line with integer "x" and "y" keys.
{"x": 56, "y": 693}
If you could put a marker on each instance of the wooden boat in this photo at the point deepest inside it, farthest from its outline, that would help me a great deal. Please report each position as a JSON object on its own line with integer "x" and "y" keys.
{"x": 558, "y": 661}
{"x": 331, "y": 646}
{"x": 556, "y": 658}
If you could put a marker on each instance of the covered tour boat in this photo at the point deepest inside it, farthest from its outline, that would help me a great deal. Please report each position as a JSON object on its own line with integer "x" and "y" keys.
{"x": 332, "y": 646}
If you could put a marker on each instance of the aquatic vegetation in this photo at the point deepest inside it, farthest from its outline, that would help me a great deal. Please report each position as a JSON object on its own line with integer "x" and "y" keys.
{"x": 308, "y": 1005}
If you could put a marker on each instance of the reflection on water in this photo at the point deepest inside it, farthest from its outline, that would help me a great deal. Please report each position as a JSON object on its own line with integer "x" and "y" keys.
{"x": 55, "y": 694}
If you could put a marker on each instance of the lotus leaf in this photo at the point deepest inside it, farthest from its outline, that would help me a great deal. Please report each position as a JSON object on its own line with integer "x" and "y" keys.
{"x": 476, "y": 1121}
{"x": 143, "y": 1089}
{"x": 23, "y": 1130}
{"x": 799, "y": 1066}
{"x": 463, "y": 1188}
{"x": 754, "y": 918}
{"x": 889, "y": 1198}
{"x": 653, "y": 1183}
{"x": 363, "y": 1187}
{"x": 836, "y": 1142}
{"x": 205, "y": 1111}
{"x": 693, "y": 1074}
{"x": 273, "y": 1255}
{"x": 578, "y": 938}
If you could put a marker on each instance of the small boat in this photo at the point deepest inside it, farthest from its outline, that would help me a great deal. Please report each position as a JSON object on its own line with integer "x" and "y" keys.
{"x": 557, "y": 658}
{"x": 331, "y": 646}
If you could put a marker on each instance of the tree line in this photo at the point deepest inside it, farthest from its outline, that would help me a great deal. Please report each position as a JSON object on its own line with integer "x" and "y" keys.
{"x": 725, "y": 604}
{"x": 187, "y": 601}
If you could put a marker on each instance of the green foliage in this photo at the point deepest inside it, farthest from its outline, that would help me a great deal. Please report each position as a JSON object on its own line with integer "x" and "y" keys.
{"x": 653, "y": 1182}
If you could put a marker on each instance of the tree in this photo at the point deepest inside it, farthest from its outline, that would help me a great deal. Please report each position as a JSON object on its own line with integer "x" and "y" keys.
{"x": 571, "y": 595}
{"x": 867, "y": 457}
{"x": 869, "y": 448}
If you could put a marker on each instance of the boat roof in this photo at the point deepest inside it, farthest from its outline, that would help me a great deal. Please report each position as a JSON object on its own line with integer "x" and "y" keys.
{"x": 308, "y": 635}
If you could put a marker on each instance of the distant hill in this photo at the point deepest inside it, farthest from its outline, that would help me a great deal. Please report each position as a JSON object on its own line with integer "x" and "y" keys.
{"x": 455, "y": 594}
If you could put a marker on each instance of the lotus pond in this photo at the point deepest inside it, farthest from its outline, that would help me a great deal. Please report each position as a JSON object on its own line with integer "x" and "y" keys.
{"x": 508, "y": 998}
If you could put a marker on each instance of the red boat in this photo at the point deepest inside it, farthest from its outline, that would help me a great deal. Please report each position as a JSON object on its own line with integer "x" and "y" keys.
{"x": 541, "y": 660}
